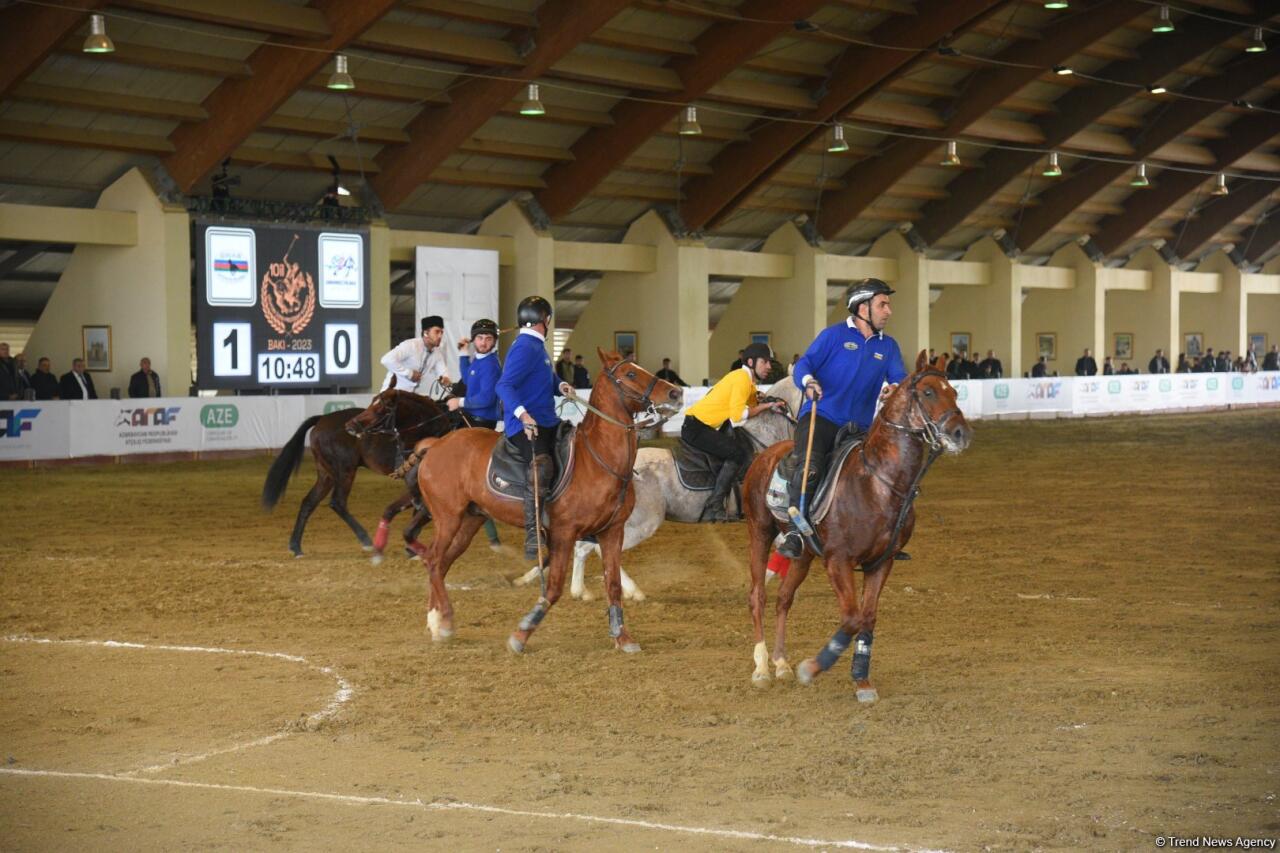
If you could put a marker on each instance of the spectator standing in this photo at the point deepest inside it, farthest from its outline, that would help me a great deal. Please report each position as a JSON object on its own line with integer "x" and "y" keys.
{"x": 1108, "y": 369}
{"x": 1183, "y": 365}
{"x": 1224, "y": 361}
{"x": 1158, "y": 363}
{"x": 44, "y": 383}
{"x": 666, "y": 374}
{"x": 564, "y": 366}
{"x": 581, "y": 378}
{"x": 955, "y": 367}
{"x": 8, "y": 375}
{"x": 22, "y": 375}
{"x": 76, "y": 384}
{"x": 144, "y": 383}
{"x": 1250, "y": 361}
{"x": 991, "y": 368}
{"x": 1040, "y": 369}
{"x": 1207, "y": 362}
{"x": 1085, "y": 365}
{"x": 1271, "y": 361}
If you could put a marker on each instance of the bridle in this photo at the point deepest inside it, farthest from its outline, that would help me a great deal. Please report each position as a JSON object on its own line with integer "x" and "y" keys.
{"x": 930, "y": 431}
{"x": 386, "y": 423}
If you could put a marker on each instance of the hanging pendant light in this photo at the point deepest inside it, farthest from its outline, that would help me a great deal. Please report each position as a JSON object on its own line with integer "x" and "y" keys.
{"x": 1056, "y": 4}
{"x": 1220, "y": 185}
{"x": 98, "y": 41}
{"x": 951, "y": 159}
{"x": 1052, "y": 169}
{"x": 837, "y": 145}
{"x": 1163, "y": 23}
{"x": 532, "y": 105}
{"x": 1256, "y": 44}
{"x": 689, "y": 125}
{"x": 340, "y": 80}
{"x": 1140, "y": 177}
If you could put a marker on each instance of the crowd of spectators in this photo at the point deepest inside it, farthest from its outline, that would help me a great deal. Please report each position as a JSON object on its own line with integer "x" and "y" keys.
{"x": 17, "y": 383}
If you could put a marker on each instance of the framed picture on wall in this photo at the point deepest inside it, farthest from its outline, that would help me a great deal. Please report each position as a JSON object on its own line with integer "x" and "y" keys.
{"x": 1258, "y": 344}
{"x": 96, "y": 343}
{"x": 960, "y": 342}
{"x": 1193, "y": 343}
{"x": 1047, "y": 345}
{"x": 765, "y": 338}
{"x": 1124, "y": 345}
{"x": 627, "y": 344}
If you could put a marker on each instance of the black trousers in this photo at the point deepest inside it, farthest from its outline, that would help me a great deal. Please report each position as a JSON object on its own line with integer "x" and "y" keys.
{"x": 824, "y": 438}
{"x": 475, "y": 422}
{"x": 545, "y": 443}
{"x": 719, "y": 444}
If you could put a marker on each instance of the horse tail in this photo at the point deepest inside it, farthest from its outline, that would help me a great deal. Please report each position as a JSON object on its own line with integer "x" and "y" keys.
{"x": 286, "y": 464}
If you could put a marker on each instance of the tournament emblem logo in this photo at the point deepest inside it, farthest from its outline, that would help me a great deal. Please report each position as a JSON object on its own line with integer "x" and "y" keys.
{"x": 850, "y": 345}
{"x": 288, "y": 295}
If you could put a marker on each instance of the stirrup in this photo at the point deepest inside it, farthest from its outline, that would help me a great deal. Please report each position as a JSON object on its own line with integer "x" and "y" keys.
{"x": 792, "y": 545}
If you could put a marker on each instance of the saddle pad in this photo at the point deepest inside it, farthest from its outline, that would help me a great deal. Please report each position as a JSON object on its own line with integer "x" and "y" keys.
{"x": 506, "y": 474}
{"x": 696, "y": 468}
{"x": 820, "y": 505}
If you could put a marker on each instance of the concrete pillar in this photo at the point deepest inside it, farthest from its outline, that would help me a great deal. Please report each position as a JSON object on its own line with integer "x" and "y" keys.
{"x": 991, "y": 313}
{"x": 909, "y": 324}
{"x": 668, "y": 308}
{"x": 533, "y": 273}
{"x": 1223, "y": 314}
{"x": 1151, "y": 315}
{"x": 379, "y": 300}
{"x": 143, "y": 292}
{"x": 792, "y": 310}
{"x": 1080, "y": 312}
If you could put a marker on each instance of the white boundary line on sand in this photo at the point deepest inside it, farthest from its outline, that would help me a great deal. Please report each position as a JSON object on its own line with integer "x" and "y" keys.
{"x": 453, "y": 805}
{"x": 344, "y": 693}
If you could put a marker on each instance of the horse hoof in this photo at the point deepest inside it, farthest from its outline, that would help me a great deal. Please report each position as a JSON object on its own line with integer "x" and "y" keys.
{"x": 376, "y": 560}
{"x": 367, "y": 548}
{"x": 586, "y": 596}
{"x": 867, "y": 694}
{"x": 760, "y": 679}
{"x": 496, "y": 547}
{"x": 442, "y": 635}
{"x": 514, "y": 644}
{"x": 630, "y": 648}
{"x": 635, "y": 596}
{"x": 783, "y": 671}
{"x": 806, "y": 671}
{"x": 297, "y": 555}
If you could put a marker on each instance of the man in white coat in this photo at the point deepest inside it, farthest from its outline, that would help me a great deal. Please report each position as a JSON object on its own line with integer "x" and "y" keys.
{"x": 416, "y": 364}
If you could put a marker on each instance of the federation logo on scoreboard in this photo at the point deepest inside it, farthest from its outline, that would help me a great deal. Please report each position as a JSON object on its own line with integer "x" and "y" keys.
{"x": 229, "y": 256}
{"x": 288, "y": 295}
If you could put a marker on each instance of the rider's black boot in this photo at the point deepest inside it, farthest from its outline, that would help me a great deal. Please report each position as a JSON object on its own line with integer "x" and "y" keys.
{"x": 713, "y": 509}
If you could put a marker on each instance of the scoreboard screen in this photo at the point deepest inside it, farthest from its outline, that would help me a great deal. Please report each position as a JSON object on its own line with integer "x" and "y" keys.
{"x": 281, "y": 306}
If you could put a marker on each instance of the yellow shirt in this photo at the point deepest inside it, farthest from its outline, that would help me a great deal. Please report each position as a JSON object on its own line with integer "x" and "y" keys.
{"x": 726, "y": 400}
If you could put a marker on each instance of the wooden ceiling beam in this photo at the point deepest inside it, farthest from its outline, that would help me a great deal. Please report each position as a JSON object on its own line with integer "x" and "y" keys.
{"x": 28, "y": 34}
{"x": 436, "y": 132}
{"x": 145, "y": 56}
{"x": 264, "y": 16}
{"x": 1075, "y": 112}
{"x": 1259, "y": 239}
{"x": 858, "y": 73}
{"x": 1215, "y": 213}
{"x": 719, "y": 50}
{"x": 237, "y": 107}
{"x": 1065, "y": 196}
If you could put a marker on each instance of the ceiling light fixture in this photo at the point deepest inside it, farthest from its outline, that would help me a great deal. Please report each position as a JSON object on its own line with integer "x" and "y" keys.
{"x": 689, "y": 125}
{"x": 340, "y": 80}
{"x": 1157, "y": 89}
{"x": 1140, "y": 177}
{"x": 532, "y": 105}
{"x": 1056, "y": 4}
{"x": 951, "y": 159}
{"x": 1256, "y": 44}
{"x": 1163, "y": 24}
{"x": 1052, "y": 169}
{"x": 837, "y": 145}
{"x": 98, "y": 41}
{"x": 1220, "y": 185}
{"x": 1062, "y": 70}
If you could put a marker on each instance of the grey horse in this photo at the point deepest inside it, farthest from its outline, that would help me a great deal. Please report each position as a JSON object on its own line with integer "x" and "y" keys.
{"x": 661, "y": 496}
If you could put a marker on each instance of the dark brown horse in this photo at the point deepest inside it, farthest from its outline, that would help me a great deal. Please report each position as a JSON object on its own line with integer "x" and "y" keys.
{"x": 870, "y": 520}
{"x": 339, "y": 455}
{"x": 596, "y": 501}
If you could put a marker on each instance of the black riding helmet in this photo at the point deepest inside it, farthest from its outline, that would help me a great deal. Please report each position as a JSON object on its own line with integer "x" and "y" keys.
{"x": 757, "y": 350}
{"x": 533, "y": 310}
{"x": 864, "y": 291}
{"x": 484, "y": 327}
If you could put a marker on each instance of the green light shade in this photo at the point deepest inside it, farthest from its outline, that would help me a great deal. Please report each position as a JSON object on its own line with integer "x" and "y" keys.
{"x": 689, "y": 126}
{"x": 837, "y": 145}
{"x": 1052, "y": 169}
{"x": 1056, "y": 4}
{"x": 340, "y": 80}
{"x": 1256, "y": 44}
{"x": 1140, "y": 177}
{"x": 532, "y": 105}
{"x": 1163, "y": 24}
{"x": 98, "y": 41}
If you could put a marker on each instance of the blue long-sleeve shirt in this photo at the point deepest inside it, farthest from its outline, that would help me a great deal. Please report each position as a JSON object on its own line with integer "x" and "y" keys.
{"x": 851, "y": 369}
{"x": 528, "y": 383}
{"x": 481, "y": 375}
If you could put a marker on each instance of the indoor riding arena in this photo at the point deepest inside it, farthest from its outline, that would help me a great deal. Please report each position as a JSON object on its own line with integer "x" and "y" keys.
{"x": 1045, "y": 233}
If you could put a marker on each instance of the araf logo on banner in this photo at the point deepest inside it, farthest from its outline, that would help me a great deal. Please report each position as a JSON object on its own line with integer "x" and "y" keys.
{"x": 148, "y": 417}
{"x": 1045, "y": 390}
{"x": 13, "y": 423}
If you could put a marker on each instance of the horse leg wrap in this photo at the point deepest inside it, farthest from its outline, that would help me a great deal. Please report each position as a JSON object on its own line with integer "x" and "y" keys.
{"x": 861, "y": 666}
{"x": 534, "y": 617}
{"x": 380, "y": 538}
{"x": 615, "y": 620}
{"x": 833, "y": 649}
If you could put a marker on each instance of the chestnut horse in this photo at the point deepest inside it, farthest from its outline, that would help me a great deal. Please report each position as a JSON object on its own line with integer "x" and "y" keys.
{"x": 339, "y": 455}
{"x": 870, "y": 520}
{"x": 596, "y": 501}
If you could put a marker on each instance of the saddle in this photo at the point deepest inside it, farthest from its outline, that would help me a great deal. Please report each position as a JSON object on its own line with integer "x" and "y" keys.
{"x": 506, "y": 474}
{"x": 697, "y": 469}
{"x": 777, "y": 496}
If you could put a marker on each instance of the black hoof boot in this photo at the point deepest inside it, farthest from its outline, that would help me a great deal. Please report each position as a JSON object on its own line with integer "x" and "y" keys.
{"x": 792, "y": 545}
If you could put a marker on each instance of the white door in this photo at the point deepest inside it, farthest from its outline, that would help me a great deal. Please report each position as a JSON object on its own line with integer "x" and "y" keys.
{"x": 461, "y": 285}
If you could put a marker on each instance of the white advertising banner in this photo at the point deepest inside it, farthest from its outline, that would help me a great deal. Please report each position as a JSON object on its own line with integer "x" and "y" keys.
{"x": 1266, "y": 387}
{"x": 969, "y": 396}
{"x": 31, "y": 430}
{"x": 238, "y": 423}
{"x": 119, "y": 427}
{"x": 1024, "y": 396}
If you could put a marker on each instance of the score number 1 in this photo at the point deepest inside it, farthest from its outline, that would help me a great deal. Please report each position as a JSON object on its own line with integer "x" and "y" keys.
{"x": 232, "y": 349}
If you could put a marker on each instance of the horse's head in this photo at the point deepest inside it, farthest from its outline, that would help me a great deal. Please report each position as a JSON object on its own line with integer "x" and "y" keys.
{"x": 641, "y": 391}
{"x": 925, "y": 403}
{"x": 380, "y": 416}
{"x": 770, "y": 427}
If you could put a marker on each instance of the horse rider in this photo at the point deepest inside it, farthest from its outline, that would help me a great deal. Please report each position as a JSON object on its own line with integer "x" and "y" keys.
{"x": 418, "y": 362}
{"x": 846, "y": 368}
{"x": 527, "y": 389}
{"x": 480, "y": 372}
{"x": 730, "y": 401}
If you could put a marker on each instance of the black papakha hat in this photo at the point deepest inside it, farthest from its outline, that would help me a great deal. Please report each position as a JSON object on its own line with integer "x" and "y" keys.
{"x": 434, "y": 321}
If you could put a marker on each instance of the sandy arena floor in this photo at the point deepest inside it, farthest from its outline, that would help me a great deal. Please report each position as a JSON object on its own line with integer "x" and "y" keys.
{"x": 1083, "y": 654}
